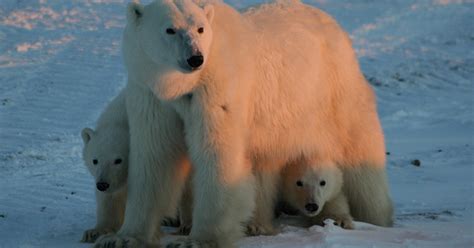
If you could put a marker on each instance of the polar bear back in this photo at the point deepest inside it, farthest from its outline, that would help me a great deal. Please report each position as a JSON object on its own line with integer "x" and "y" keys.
{"x": 307, "y": 76}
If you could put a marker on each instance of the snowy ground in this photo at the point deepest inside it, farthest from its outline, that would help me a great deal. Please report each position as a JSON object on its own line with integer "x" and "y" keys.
{"x": 60, "y": 64}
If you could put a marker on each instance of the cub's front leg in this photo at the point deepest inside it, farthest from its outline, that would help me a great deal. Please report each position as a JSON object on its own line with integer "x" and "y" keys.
{"x": 338, "y": 210}
{"x": 110, "y": 213}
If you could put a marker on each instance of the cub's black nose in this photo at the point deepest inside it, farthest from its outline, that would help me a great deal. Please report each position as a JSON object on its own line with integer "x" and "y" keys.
{"x": 311, "y": 207}
{"x": 195, "y": 61}
{"x": 102, "y": 186}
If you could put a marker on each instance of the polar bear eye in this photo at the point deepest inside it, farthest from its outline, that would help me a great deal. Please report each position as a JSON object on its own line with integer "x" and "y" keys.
{"x": 170, "y": 31}
{"x": 299, "y": 183}
{"x": 322, "y": 183}
{"x": 118, "y": 161}
{"x": 95, "y": 161}
{"x": 201, "y": 30}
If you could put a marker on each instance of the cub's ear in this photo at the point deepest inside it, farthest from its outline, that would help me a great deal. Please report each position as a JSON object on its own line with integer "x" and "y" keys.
{"x": 87, "y": 134}
{"x": 134, "y": 12}
{"x": 209, "y": 12}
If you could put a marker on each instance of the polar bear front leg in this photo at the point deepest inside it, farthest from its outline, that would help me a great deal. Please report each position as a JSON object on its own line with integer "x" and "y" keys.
{"x": 366, "y": 189}
{"x": 186, "y": 209}
{"x": 223, "y": 180}
{"x": 338, "y": 210}
{"x": 110, "y": 212}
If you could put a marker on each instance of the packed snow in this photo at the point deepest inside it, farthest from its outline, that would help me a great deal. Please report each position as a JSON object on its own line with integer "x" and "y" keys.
{"x": 60, "y": 63}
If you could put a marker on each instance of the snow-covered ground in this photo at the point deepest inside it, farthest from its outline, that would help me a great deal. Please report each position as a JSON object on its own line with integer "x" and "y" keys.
{"x": 60, "y": 63}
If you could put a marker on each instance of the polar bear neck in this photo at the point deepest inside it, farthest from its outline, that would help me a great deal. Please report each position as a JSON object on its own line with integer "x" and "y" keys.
{"x": 173, "y": 84}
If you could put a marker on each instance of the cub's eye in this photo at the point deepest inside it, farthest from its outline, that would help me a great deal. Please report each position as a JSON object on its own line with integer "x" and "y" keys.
{"x": 322, "y": 183}
{"x": 170, "y": 31}
{"x": 118, "y": 161}
{"x": 299, "y": 183}
{"x": 201, "y": 30}
{"x": 95, "y": 161}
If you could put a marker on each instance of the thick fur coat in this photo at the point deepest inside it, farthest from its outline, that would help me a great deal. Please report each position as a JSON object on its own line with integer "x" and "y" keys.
{"x": 274, "y": 84}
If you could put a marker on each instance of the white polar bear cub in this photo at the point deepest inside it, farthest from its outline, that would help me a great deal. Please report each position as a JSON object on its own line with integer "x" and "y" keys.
{"x": 316, "y": 191}
{"x": 241, "y": 95}
{"x": 105, "y": 154}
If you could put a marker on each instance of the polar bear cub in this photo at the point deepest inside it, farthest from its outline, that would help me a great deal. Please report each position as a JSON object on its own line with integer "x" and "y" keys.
{"x": 316, "y": 192}
{"x": 105, "y": 154}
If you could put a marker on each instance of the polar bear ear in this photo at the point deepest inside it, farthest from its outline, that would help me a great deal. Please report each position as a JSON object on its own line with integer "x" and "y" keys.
{"x": 87, "y": 134}
{"x": 134, "y": 12}
{"x": 209, "y": 12}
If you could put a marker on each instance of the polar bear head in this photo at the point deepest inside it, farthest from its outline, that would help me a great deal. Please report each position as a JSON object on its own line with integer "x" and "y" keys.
{"x": 309, "y": 187}
{"x": 105, "y": 154}
{"x": 167, "y": 43}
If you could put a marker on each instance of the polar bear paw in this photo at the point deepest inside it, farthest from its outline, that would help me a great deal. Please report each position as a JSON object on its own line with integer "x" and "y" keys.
{"x": 184, "y": 229}
{"x": 191, "y": 243}
{"x": 255, "y": 229}
{"x": 91, "y": 235}
{"x": 344, "y": 223}
{"x": 115, "y": 241}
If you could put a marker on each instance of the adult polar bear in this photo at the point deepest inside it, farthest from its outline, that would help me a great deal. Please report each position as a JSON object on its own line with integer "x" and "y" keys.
{"x": 241, "y": 92}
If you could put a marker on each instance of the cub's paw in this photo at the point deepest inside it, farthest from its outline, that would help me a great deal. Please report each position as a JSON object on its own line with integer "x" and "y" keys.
{"x": 184, "y": 229}
{"x": 115, "y": 241}
{"x": 91, "y": 235}
{"x": 344, "y": 223}
{"x": 168, "y": 221}
{"x": 255, "y": 229}
{"x": 191, "y": 243}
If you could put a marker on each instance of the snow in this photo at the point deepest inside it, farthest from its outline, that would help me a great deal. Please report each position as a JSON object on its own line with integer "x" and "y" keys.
{"x": 60, "y": 63}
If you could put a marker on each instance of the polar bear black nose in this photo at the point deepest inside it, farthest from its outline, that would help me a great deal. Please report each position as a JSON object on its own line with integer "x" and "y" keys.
{"x": 311, "y": 207}
{"x": 195, "y": 61}
{"x": 102, "y": 186}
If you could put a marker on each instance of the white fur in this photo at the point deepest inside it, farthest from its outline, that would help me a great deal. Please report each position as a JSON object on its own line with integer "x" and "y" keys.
{"x": 150, "y": 119}
{"x": 108, "y": 145}
{"x": 303, "y": 184}
{"x": 279, "y": 82}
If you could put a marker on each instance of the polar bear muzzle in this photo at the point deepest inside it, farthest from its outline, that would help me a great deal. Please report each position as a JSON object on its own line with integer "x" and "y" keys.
{"x": 311, "y": 207}
{"x": 195, "y": 61}
{"x": 102, "y": 186}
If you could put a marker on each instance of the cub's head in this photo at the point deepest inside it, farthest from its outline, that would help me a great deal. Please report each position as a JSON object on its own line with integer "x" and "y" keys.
{"x": 173, "y": 33}
{"x": 309, "y": 187}
{"x": 106, "y": 156}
